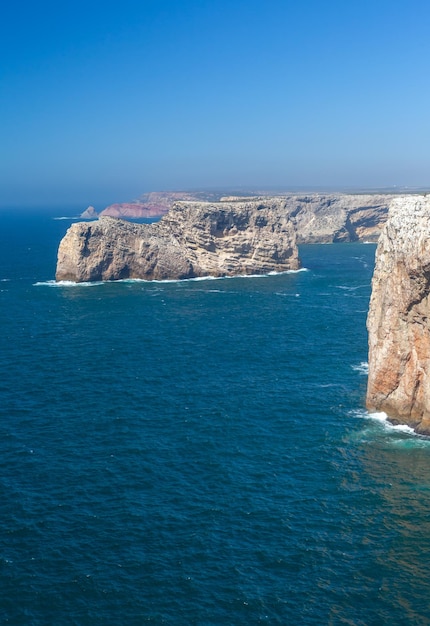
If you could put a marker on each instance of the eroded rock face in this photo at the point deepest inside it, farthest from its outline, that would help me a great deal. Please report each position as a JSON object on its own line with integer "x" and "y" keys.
{"x": 399, "y": 316}
{"x": 332, "y": 218}
{"x": 192, "y": 240}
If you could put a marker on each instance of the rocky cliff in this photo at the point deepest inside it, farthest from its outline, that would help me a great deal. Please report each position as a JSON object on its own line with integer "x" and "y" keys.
{"x": 332, "y": 218}
{"x": 155, "y": 204}
{"x": 193, "y": 239}
{"x": 320, "y": 218}
{"x": 89, "y": 214}
{"x": 399, "y": 316}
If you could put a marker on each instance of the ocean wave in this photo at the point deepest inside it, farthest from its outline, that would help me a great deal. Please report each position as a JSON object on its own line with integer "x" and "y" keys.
{"x": 348, "y": 288}
{"x": 200, "y": 278}
{"x": 362, "y": 368}
{"x": 68, "y": 283}
{"x": 204, "y": 278}
{"x": 381, "y": 418}
{"x": 68, "y": 217}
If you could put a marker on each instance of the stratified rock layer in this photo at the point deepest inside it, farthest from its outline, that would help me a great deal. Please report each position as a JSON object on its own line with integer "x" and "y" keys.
{"x": 320, "y": 218}
{"x": 192, "y": 240}
{"x": 333, "y": 218}
{"x": 399, "y": 314}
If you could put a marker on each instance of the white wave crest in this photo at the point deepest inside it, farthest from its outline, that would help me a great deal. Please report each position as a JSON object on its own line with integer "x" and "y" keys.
{"x": 203, "y": 278}
{"x": 362, "y": 368}
{"x": 68, "y": 283}
{"x": 68, "y": 217}
{"x": 348, "y": 288}
{"x": 382, "y": 418}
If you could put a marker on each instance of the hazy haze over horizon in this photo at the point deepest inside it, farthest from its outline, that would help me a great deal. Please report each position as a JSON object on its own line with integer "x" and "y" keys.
{"x": 101, "y": 102}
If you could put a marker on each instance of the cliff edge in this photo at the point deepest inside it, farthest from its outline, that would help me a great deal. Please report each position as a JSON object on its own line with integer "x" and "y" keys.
{"x": 399, "y": 316}
{"x": 338, "y": 218}
{"x": 192, "y": 240}
{"x": 319, "y": 218}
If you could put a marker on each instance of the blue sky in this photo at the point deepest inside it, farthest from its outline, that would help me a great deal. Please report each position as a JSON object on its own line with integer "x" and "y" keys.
{"x": 102, "y": 101}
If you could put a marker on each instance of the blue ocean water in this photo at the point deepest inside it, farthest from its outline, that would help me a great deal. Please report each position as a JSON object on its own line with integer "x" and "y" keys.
{"x": 198, "y": 452}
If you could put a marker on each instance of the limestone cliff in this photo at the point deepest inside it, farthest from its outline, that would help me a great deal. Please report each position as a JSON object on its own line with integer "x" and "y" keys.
{"x": 320, "y": 218}
{"x": 332, "y": 218}
{"x": 192, "y": 240}
{"x": 399, "y": 316}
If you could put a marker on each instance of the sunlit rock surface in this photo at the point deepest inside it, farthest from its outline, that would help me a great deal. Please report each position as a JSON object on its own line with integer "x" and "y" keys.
{"x": 194, "y": 239}
{"x": 398, "y": 320}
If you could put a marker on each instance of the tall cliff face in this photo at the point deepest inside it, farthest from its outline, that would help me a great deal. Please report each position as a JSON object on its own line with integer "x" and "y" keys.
{"x": 193, "y": 239}
{"x": 332, "y": 218}
{"x": 399, "y": 316}
{"x": 320, "y": 218}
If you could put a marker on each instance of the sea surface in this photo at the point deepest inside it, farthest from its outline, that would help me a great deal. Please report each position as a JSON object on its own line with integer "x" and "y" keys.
{"x": 198, "y": 452}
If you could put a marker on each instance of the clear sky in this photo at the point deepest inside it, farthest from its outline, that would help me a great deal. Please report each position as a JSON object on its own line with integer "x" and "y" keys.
{"x": 102, "y": 101}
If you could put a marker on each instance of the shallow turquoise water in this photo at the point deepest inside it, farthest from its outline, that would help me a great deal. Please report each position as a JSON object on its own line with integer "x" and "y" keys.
{"x": 198, "y": 453}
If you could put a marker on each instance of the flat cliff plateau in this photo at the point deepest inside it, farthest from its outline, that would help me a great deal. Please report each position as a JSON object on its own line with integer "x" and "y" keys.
{"x": 192, "y": 240}
{"x": 399, "y": 317}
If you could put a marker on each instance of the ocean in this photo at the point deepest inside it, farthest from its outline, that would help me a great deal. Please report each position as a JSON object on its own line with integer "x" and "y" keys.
{"x": 198, "y": 452}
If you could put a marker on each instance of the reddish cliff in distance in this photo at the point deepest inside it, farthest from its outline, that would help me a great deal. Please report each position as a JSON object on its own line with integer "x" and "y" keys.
{"x": 154, "y": 204}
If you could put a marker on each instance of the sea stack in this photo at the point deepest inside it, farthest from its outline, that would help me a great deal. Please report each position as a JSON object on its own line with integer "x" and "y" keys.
{"x": 399, "y": 317}
{"x": 194, "y": 239}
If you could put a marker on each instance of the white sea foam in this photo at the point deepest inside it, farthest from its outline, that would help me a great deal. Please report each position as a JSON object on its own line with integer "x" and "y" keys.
{"x": 348, "y": 288}
{"x": 382, "y": 419}
{"x": 67, "y": 283}
{"x": 363, "y": 368}
{"x": 67, "y": 217}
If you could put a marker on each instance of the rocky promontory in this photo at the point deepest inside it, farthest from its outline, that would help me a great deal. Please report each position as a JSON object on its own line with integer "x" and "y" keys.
{"x": 399, "y": 317}
{"x": 192, "y": 240}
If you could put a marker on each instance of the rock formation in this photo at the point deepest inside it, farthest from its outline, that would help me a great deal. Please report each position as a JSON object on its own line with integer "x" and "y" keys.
{"x": 89, "y": 214}
{"x": 320, "y": 218}
{"x": 332, "y": 218}
{"x": 155, "y": 204}
{"x": 399, "y": 316}
{"x": 134, "y": 210}
{"x": 193, "y": 239}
